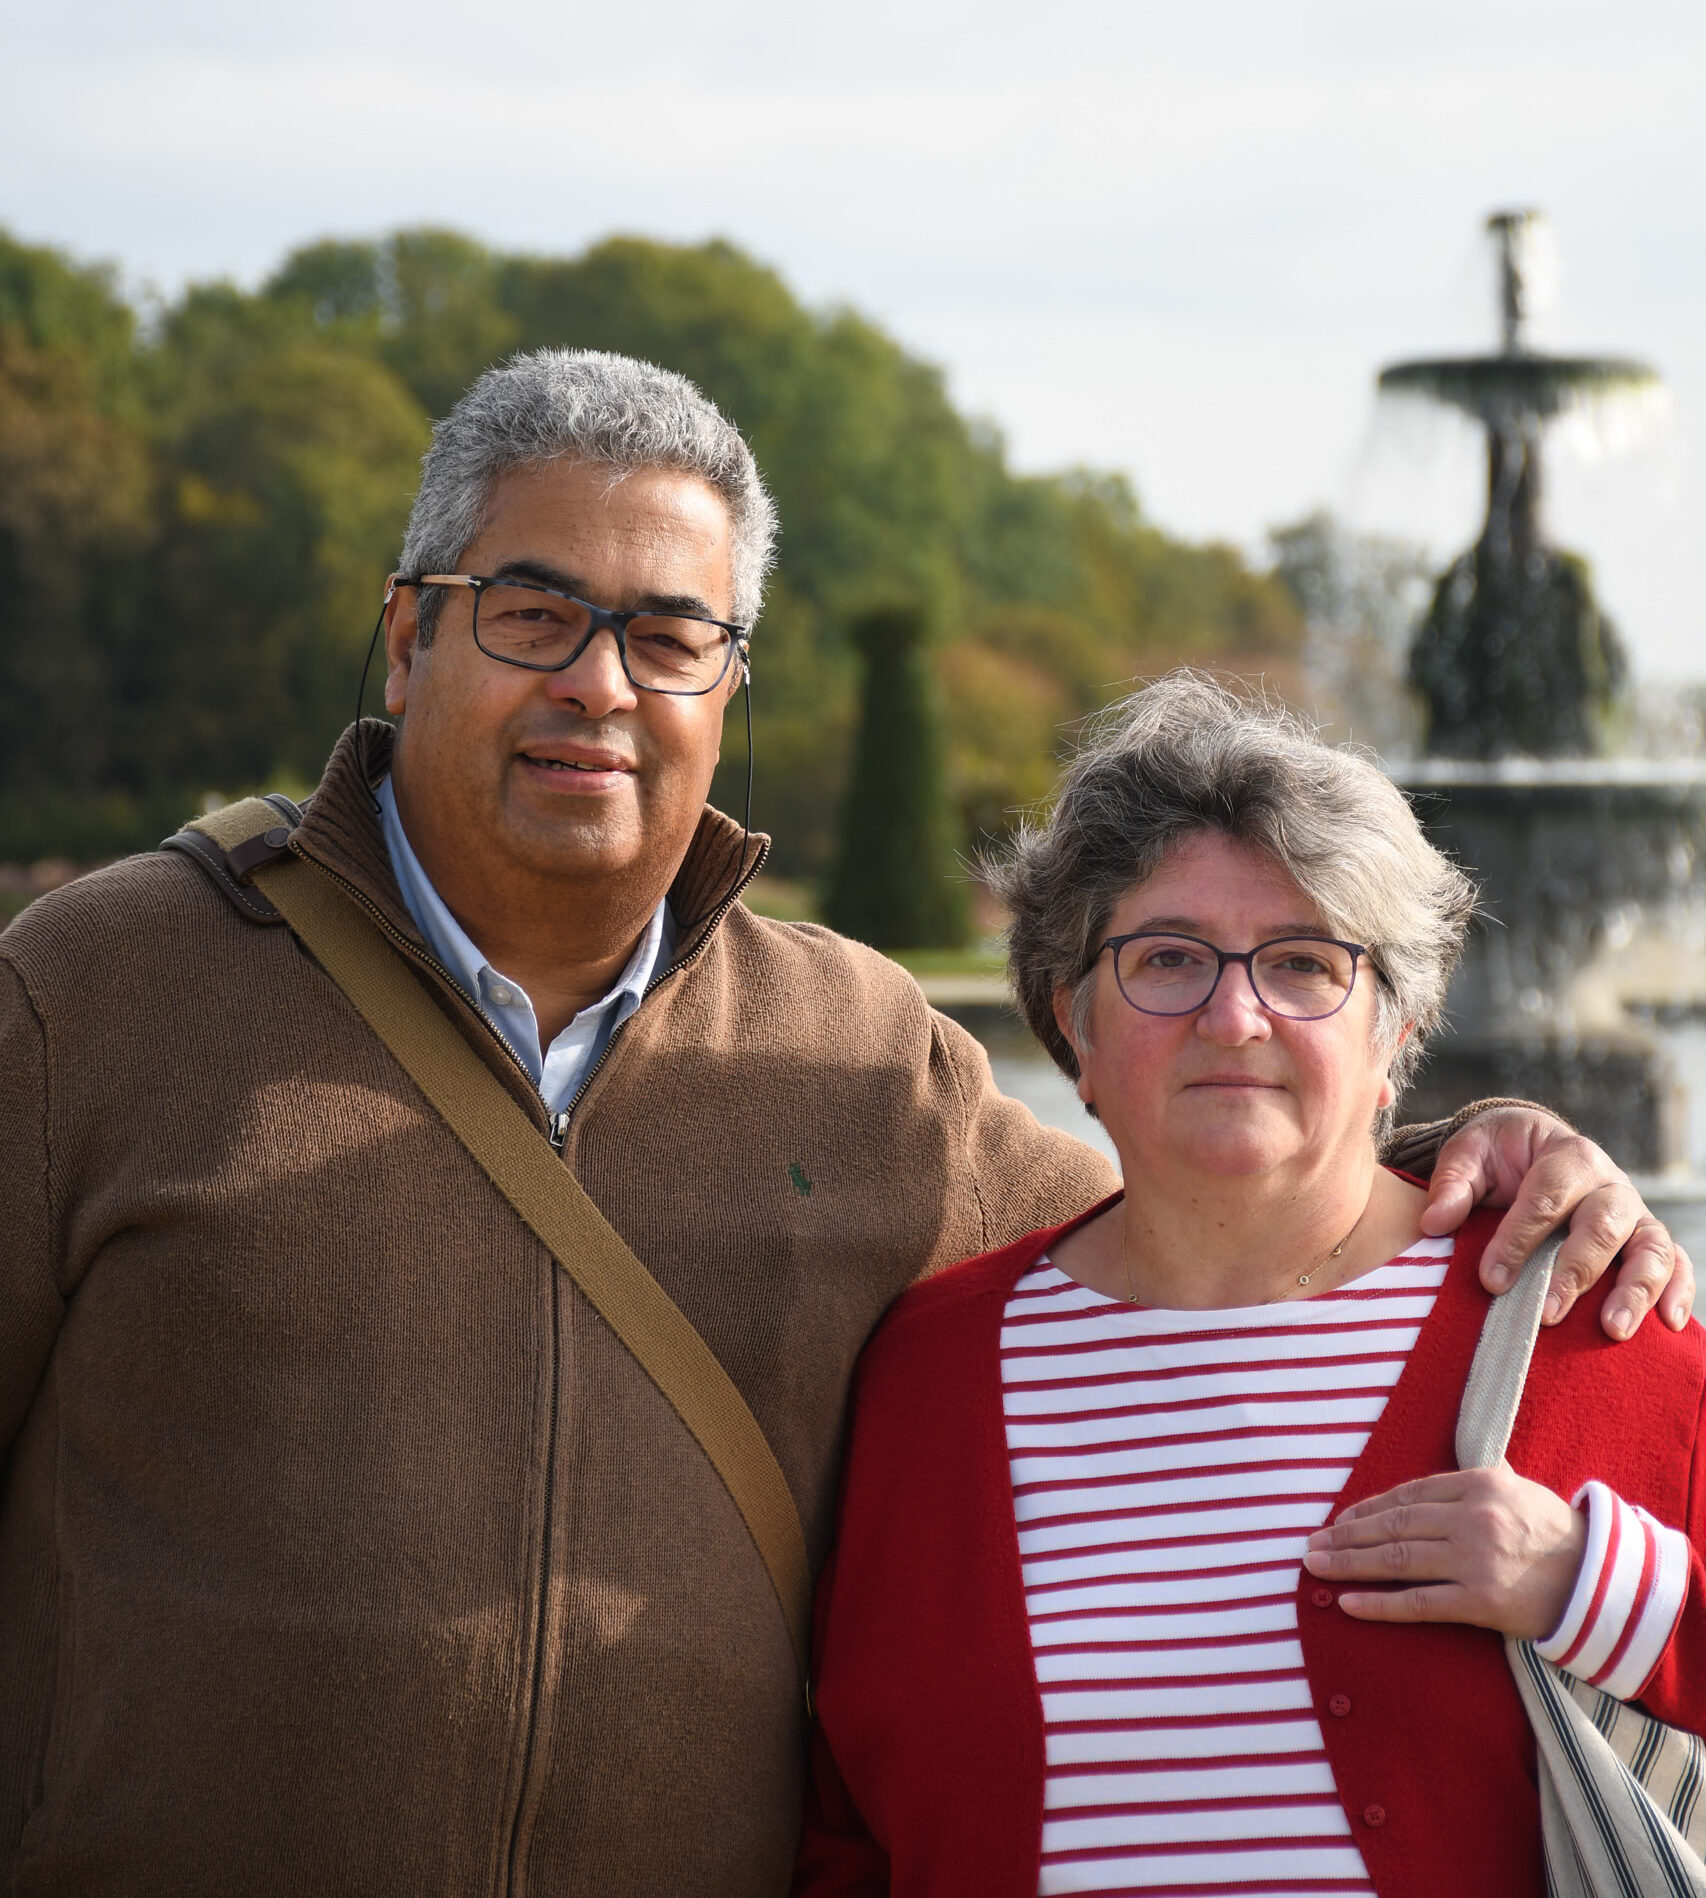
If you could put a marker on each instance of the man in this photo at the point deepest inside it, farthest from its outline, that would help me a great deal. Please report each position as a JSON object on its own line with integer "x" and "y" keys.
{"x": 343, "y": 1547}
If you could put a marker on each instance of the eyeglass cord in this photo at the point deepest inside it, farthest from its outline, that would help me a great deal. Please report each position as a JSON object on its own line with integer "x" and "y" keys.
{"x": 360, "y": 694}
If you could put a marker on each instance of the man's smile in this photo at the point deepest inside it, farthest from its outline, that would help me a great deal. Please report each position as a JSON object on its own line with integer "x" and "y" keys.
{"x": 577, "y": 768}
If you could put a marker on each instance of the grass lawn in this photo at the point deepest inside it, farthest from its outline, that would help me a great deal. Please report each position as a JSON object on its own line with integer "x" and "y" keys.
{"x": 976, "y": 960}
{"x": 790, "y": 902}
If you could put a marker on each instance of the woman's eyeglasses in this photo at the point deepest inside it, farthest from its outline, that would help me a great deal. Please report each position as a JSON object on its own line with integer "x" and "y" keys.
{"x": 1305, "y": 978}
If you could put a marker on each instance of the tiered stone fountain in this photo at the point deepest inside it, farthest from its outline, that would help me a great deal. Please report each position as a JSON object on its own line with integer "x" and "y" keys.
{"x": 1592, "y": 861}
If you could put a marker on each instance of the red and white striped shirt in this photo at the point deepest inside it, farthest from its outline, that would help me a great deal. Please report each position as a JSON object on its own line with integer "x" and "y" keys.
{"x": 1167, "y": 1468}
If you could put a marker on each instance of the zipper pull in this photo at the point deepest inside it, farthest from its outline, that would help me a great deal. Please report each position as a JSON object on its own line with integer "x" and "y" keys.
{"x": 559, "y": 1131}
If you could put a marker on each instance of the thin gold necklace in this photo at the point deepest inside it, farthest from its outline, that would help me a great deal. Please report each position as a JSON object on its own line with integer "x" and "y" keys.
{"x": 1303, "y": 1278}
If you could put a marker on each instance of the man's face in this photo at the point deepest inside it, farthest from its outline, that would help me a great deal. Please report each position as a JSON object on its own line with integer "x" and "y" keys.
{"x": 574, "y": 775}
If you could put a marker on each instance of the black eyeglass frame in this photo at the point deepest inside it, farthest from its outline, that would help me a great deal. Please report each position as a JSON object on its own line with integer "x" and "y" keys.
{"x": 1355, "y": 950}
{"x": 601, "y": 617}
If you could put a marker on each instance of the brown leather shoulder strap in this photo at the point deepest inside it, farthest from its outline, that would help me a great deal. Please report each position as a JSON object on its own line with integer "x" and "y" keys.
{"x": 523, "y": 1166}
{"x": 257, "y": 828}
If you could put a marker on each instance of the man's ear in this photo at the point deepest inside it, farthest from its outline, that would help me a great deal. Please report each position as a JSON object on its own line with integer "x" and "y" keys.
{"x": 402, "y": 634}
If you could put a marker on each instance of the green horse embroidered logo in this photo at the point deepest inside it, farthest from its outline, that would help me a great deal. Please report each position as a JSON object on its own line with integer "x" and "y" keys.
{"x": 797, "y": 1174}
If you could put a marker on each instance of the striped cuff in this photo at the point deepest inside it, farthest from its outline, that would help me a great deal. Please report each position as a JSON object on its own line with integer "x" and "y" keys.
{"x": 1628, "y": 1595}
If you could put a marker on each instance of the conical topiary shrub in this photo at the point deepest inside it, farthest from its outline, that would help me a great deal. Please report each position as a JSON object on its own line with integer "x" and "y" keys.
{"x": 897, "y": 884}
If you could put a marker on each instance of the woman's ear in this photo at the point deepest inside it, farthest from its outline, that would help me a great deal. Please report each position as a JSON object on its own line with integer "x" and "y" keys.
{"x": 1064, "y": 1022}
{"x": 1389, "y": 1093}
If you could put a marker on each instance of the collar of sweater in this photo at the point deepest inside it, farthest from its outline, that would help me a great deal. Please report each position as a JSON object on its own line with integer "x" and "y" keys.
{"x": 340, "y": 830}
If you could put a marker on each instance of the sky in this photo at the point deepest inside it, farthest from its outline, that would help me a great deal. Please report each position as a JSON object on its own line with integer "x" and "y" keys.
{"x": 1173, "y": 237}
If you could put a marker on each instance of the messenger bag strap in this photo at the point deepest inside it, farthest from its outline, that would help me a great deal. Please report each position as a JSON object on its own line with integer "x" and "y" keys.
{"x": 521, "y": 1163}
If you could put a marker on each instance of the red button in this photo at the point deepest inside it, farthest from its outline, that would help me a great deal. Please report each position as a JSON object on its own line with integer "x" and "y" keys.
{"x": 1322, "y": 1598}
{"x": 1339, "y": 1705}
{"x": 1374, "y": 1815}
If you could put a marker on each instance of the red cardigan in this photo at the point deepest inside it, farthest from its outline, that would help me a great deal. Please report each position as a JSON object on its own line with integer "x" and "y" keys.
{"x": 927, "y": 1772}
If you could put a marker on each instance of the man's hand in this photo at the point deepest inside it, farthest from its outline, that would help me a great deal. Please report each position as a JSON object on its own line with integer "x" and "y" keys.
{"x": 1486, "y": 1547}
{"x": 1533, "y": 1163}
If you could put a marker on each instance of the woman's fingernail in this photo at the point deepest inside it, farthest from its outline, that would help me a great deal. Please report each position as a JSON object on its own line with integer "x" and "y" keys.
{"x": 1554, "y": 1308}
{"x": 1498, "y": 1277}
{"x": 1622, "y": 1321}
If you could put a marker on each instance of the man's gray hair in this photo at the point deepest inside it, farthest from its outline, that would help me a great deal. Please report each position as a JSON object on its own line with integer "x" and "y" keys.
{"x": 1186, "y": 756}
{"x": 587, "y": 405}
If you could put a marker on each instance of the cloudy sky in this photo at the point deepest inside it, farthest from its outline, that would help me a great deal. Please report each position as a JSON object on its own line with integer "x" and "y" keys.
{"x": 1176, "y": 237}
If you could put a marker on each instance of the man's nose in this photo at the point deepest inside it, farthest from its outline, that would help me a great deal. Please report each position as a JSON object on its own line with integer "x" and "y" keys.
{"x": 1233, "y": 1013}
{"x": 595, "y": 682}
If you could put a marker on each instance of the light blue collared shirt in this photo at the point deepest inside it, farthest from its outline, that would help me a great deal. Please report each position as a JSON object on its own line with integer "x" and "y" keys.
{"x": 563, "y": 1066}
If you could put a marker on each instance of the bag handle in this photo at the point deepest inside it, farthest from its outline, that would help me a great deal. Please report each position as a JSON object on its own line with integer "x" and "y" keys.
{"x": 521, "y": 1163}
{"x": 1493, "y": 1392}
{"x": 1618, "y": 1788}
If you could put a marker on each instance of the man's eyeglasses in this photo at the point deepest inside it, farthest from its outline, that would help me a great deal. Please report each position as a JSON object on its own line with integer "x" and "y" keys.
{"x": 520, "y": 623}
{"x": 1305, "y": 978}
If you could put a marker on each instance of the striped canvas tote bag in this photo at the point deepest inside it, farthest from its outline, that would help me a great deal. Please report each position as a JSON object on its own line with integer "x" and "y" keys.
{"x": 1622, "y": 1801}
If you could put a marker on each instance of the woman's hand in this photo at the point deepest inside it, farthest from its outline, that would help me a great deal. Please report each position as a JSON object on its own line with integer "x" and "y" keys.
{"x": 1530, "y": 1161}
{"x": 1486, "y": 1547}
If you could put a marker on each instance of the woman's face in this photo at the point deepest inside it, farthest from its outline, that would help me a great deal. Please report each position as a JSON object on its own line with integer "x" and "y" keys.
{"x": 1231, "y": 1089}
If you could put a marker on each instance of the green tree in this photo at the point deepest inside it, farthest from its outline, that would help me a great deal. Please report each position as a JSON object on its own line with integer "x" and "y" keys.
{"x": 1016, "y": 686}
{"x": 76, "y": 517}
{"x": 49, "y": 303}
{"x": 287, "y": 465}
{"x": 897, "y": 884}
{"x": 426, "y": 302}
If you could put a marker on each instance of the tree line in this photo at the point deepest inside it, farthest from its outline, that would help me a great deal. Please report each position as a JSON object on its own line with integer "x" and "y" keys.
{"x": 199, "y": 501}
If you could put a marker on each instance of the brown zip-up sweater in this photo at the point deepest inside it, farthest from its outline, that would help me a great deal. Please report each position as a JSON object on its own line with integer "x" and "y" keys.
{"x": 342, "y": 1547}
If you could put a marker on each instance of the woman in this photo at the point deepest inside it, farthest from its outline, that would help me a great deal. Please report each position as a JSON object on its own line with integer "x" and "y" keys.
{"x": 1086, "y": 1628}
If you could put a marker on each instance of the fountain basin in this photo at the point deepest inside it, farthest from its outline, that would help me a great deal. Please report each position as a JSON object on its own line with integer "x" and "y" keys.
{"x": 1594, "y": 934}
{"x": 1521, "y": 385}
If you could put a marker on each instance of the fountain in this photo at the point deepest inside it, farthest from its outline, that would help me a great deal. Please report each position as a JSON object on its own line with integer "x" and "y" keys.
{"x": 1593, "y": 863}
{"x": 1515, "y": 656}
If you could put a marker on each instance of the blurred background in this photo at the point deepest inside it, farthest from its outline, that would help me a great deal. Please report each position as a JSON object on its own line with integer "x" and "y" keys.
{"x": 1055, "y": 331}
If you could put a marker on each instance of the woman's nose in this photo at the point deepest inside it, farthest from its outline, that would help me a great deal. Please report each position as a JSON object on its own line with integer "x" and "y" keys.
{"x": 1233, "y": 1013}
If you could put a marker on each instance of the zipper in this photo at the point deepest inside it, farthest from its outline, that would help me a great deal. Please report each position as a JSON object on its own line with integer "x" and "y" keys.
{"x": 557, "y": 1132}
{"x": 560, "y": 1122}
{"x": 512, "y": 1858}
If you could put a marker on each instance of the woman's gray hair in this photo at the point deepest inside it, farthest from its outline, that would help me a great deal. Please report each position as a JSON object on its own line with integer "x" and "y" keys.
{"x": 588, "y": 405}
{"x": 1186, "y": 756}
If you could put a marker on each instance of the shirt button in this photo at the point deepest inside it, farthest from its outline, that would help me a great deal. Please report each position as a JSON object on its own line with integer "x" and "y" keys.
{"x": 1374, "y": 1815}
{"x": 1322, "y": 1598}
{"x": 1339, "y": 1705}
{"x": 502, "y": 994}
